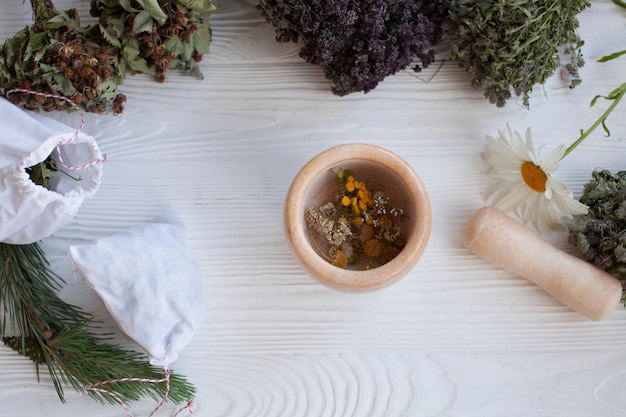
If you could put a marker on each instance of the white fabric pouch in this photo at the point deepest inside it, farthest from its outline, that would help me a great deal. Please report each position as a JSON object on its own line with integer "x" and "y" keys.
{"x": 150, "y": 282}
{"x": 30, "y": 212}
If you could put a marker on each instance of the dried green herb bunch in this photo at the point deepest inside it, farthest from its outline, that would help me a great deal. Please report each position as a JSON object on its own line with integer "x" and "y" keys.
{"x": 511, "y": 45}
{"x": 52, "y": 56}
{"x": 358, "y": 43}
{"x": 359, "y": 222}
{"x": 155, "y": 35}
{"x": 601, "y": 233}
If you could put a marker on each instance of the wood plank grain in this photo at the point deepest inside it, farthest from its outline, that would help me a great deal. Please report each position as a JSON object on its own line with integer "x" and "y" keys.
{"x": 456, "y": 337}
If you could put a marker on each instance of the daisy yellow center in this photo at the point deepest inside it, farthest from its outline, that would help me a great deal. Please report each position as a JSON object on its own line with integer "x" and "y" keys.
{"x": 534, "y": 176}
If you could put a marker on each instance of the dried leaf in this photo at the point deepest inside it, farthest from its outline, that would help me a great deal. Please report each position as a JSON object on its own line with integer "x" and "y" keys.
{"x": 152, "y": 7}
{"x": 109, "y": 37}
{"x": 202, "y": 6}
{"x": 201, "y": 39}
{"x": 143, "y": 22}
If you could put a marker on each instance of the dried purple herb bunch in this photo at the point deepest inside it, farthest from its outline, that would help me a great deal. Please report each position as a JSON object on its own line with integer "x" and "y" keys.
{"x": 358, "y": 43}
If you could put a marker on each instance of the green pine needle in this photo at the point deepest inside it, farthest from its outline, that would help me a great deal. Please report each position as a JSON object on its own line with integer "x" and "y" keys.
{"x": 56, "y": 334}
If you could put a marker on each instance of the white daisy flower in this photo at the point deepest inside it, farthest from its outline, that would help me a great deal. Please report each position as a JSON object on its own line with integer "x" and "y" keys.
{"x": 528, "y": 188}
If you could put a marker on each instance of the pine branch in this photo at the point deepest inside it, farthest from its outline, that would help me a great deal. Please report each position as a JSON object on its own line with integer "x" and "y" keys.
{"x": 56, "y": 334}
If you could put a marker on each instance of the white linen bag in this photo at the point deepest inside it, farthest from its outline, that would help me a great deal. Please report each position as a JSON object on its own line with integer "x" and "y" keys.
{"x": 30, "y": 212}
{"x": 150, "y": 282}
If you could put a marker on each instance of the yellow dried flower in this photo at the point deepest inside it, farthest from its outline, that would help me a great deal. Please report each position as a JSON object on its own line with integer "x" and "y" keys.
{"x": 391, "y": 252}
{"x": 350, "y": 185}
{"x": 339, "y": 259}
{"x": 373, "y": 248}
{"x": 367, "y": 233}
{"x": 384, "y": 220}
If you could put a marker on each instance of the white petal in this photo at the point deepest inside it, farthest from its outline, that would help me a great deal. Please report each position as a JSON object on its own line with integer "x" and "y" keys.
{"x": 558, "y": 187}
{"x": 551, "y": 163}
{"x": 514, "y": 197}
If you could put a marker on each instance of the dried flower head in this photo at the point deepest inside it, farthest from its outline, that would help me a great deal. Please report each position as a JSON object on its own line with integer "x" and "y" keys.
{"x": 527, "y": 186}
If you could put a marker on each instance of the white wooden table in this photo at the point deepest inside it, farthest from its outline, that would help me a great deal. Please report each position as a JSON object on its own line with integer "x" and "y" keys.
{"x": 456, "y": 337}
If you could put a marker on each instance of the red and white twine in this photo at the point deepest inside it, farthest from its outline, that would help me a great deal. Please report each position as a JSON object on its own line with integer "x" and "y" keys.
{"x": 71, "y": 138}
{"x": 97, "y": 387}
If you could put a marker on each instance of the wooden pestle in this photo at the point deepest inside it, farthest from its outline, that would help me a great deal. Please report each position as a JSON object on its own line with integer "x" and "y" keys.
{"x": 584, "y": 288}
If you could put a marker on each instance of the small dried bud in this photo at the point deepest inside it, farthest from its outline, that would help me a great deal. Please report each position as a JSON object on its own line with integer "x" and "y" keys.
{"x": 86, "y": 71}
{"x": 65, "y": 51}
{"x": 95, "y": 80}
{"x": 25, "y": 84}
{"x": 160, "y": 75}
{"x": 118, "y": 103}
{"x": 106, "y": 55}
{"x": 91, "y": 61}
{"x": 104, "y": 72}
{"x": 90, "y": 93}
{"x": 78, "y": 48}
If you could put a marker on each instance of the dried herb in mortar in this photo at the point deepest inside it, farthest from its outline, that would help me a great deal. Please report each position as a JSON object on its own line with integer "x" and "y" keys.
{"x": 359, "y": 224}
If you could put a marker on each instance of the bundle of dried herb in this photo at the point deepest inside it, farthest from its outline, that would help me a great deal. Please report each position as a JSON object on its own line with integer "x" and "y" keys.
{"x": 600, "y": 234}
{"x": 154, "y": 36}
{"x": 86, "y": 64}
{"x": 358, "y": 43}
{"x": 53, "y": 56}
{"x": 511, "y": 45}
